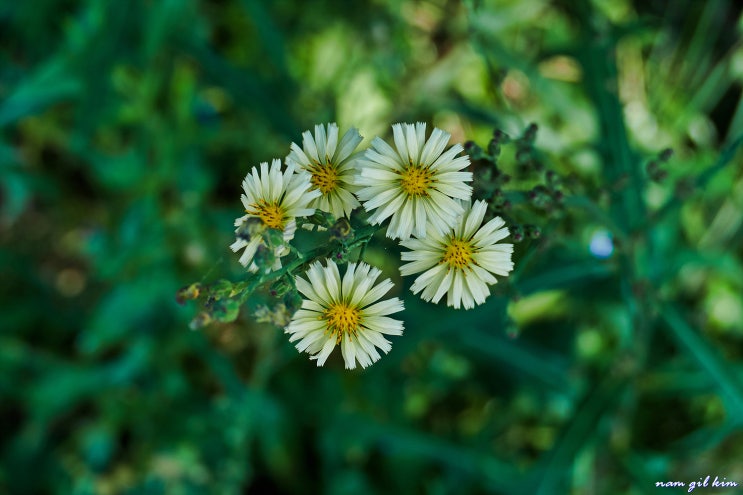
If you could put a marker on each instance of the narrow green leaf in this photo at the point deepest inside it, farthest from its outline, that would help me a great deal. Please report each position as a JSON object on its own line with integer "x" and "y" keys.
{"x": 564, "y": 276}
{"x": 498, "y": 475}
{"x": 702, "y": 179}
{"x": 577, "y": 433}
{"x": 706, "y": 357}
{"x": 49, "y": 84}
{"x": 536, "y": 363}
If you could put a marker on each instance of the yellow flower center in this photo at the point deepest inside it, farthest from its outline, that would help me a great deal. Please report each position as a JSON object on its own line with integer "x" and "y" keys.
{"x": 341, "y": 319}
{"x": 271, "y": 214}
{"x": 324, "y": 177}
{"x": 416, "y": 180}
{"x": 458, "y": 254}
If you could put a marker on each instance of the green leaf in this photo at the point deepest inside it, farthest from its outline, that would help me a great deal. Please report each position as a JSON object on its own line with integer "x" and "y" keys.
{"x": 17, "y": 194}
{"x": 564, "y": 276}
{"x": 48, "y": 84}
{"x": 578, "y": 433}
{"x": 399, "y": 440}
{"x": 548, "y": 368}
{"x": 706, "y": 357}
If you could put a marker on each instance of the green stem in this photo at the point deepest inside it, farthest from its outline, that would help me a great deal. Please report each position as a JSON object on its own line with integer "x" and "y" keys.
{"x": 361, "y": 252}
{"x": 361, "y": 238}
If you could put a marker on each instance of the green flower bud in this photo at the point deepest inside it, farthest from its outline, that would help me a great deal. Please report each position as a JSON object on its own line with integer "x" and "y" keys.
{"x": 665, "y": 155}
{"x": 226, "y": 310}
{"x": 530, "y": 133}
{"x": 494, "y": 147}
{"x": 532, "y": 231}
{"x": 517, "y": 233}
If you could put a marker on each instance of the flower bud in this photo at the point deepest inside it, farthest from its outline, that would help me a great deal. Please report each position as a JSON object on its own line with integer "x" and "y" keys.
{"x": 293, "y": 301}
{"x": 340, "y": 257}
{"x": 341, "y": 230}
{"x": 494, "y": 148}
{"x": 321, "y": 218}
{"x": 531, "y": 132}
{"x": 278, "y": 315}
{"x": 280, "y": 287}
{"x": 188, "y": 293}
{"x": 517, "y": 233}
{"x": 249, "y": 228}
{"x": 226, "y": 310}
{"x": 273, "y": 237}
{"x": 264, "y": 258}
{"x": 660, "y": 175}
{"x": 200, "y": 321}
{"x": 532, "y": 231}
{"x": 500, "y": 136}
{"x": 471, "y": 148}
{"x": 665, "y": 155}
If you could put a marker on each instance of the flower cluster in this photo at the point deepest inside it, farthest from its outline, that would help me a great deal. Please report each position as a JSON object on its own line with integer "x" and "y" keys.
{"x": 417, "y": 184}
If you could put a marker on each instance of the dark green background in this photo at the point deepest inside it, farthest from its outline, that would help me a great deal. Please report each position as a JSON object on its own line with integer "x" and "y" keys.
{"x": 126, "y": 128}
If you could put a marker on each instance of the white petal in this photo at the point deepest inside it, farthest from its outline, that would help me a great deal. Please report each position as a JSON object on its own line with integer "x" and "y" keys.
{"x": 348, "y": 281}
{"x": 411, "y": 139}
{"x": 327, "y": 348}
{"x": 320, "y": 141}
{"x": 383, "y": 324}
{"x": 474, "y": 219}
{"x": 385, "y": 307}
{"x": 348, "y": 349}
{"x": 444, "y": 286}
{"x": 375, "y": 293}
{"x": 317, "y": 279}
{"x": 333, "y": 280}
{"x": 350, "y": 140}
{"x": 417, "y": 266}
{"x": 310, "y": 148}
{"x": 398, "y": 134}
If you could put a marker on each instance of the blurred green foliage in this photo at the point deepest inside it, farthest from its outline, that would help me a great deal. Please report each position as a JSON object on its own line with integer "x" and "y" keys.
{"x": 126, "y": 128}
